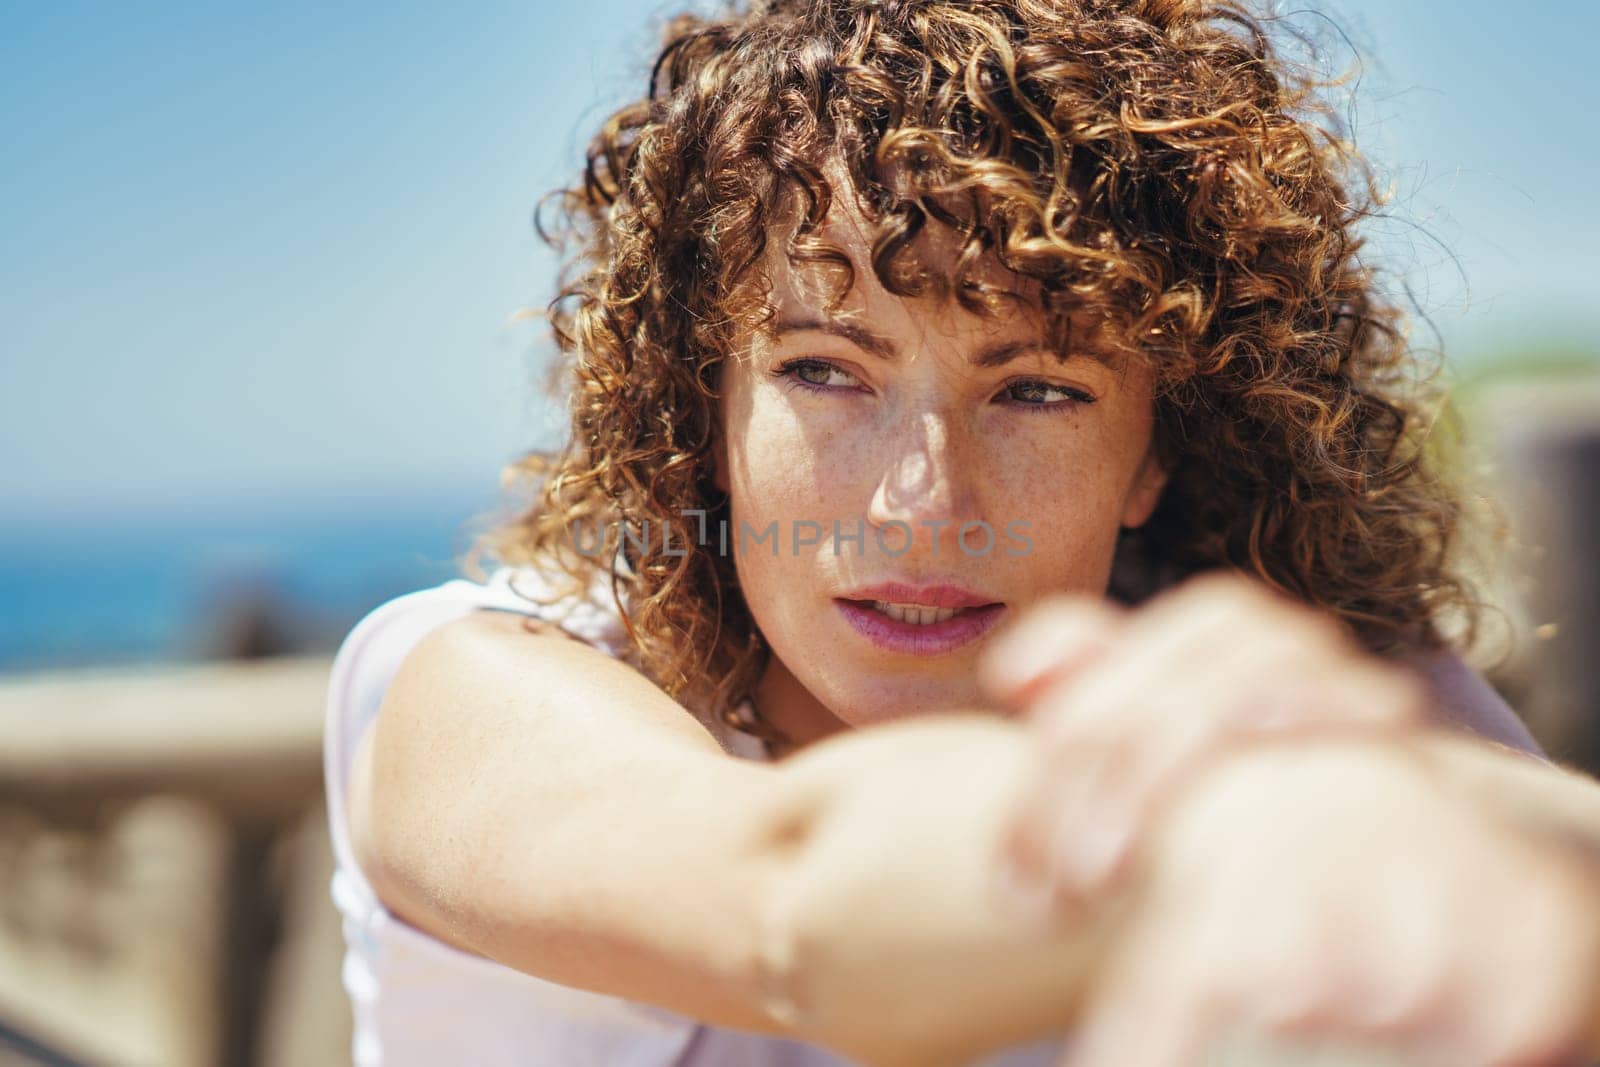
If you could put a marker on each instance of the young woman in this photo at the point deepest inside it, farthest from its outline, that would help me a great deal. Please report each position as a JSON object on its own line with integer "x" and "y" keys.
{"x": 984, "y": 432}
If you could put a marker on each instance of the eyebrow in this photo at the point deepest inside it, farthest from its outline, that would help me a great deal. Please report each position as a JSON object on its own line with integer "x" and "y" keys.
{"x": 885, "y": 349}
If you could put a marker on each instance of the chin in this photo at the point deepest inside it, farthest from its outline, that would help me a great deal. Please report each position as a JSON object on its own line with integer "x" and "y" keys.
{"x": 876, "y": 702}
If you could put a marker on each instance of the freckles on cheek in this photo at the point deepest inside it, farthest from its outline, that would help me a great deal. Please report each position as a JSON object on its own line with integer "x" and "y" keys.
{"x": 1064, "y": 486}
{"x": 1031, "y": 473}
{"x": 781, "y": 461}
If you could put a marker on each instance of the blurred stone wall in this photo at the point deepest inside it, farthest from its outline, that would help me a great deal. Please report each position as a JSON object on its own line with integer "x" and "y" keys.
{"x": 164, "y": 867}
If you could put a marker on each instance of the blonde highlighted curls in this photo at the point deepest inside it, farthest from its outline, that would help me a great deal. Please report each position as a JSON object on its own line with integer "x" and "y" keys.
{"x": 1154, "y": 166}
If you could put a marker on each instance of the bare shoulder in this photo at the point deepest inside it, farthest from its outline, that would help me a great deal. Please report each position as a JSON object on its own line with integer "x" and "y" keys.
{"x": 527, "y": 797}
{"x": 492, "y": 657}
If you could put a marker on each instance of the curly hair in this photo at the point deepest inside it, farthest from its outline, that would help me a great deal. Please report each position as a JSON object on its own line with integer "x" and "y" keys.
{"x": 1157, "y": 164}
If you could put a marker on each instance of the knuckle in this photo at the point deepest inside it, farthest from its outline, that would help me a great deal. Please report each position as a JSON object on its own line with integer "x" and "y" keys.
{"x": 1241, "y": 600}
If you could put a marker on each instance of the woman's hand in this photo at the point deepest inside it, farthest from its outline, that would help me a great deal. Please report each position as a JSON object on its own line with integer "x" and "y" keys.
{"x": 1347, "y": 889}
{"x": 1126, "y": 702}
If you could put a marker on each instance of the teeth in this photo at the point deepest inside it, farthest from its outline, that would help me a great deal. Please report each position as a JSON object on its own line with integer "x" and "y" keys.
{"x": 913, "y": 613}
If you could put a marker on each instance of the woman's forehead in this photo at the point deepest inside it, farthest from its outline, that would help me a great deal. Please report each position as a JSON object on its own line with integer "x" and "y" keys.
{"x": 800, "y": 280}
{"x": 801, "y": 289}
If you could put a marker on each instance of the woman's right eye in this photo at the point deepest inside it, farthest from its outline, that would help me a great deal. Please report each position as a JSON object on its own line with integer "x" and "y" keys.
{"x": 816, "y": 374}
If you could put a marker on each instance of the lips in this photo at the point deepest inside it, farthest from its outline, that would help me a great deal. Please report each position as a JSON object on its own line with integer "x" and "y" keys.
{"x": 919, "y": 620}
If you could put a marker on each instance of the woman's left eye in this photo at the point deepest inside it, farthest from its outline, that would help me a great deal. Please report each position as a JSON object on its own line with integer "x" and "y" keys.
{"x": 1035, "y": 394}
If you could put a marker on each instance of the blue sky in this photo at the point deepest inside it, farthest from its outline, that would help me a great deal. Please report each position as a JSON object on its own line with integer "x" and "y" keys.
{"x": 266, "y": 256}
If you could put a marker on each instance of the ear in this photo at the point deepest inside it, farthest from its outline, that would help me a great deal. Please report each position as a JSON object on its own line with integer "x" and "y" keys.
{"x": 1145, "y": 493}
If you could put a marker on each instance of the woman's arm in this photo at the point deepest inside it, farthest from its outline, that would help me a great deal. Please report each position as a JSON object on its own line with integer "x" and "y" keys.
{"x": 535, "y": 801}
{"x": 530, "y": 799}
{"x": 1132, "y": 710}
{"x": 902, "y": 955}
{"x": 904, "y": 946}
{"x": 1359, "y": 889}
{"x": 525, "y": 797}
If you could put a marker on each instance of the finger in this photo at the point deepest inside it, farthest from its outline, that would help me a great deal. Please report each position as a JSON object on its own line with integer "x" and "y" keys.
{"x": 1020, "y": 877}
{"x": 1119, "y": 780}
{"x": 1274, "y": 682}
{"x": 1055, "y": 638}
{"x": 1121, "y": 736}
{"x": 1065, "y": 817}
{"x": 1226, "y": 612}
{"x": 1226, "y": 627}
{"x": 1245, "y": 595}
{"x": 1225, "y": 644}
{"x": 1028, "y": 842}
{"x": 1121, "y": 749}
{"x": 1333, "y": 692}
{"x": 1087, "y": 837}
{"x": 1113, "y": 753}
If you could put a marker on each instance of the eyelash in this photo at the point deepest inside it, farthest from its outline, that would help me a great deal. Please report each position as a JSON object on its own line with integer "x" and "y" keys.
{"x": 1078, "y": 396}
{"x": 786, "y": 371}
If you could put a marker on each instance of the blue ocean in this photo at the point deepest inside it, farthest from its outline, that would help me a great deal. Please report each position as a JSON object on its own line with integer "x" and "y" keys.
{"x": 105, "y": 592}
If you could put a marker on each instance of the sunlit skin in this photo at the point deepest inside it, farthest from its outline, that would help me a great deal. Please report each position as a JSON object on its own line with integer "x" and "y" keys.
{"x": 906, "y": 426}
{"x": 826, "y": 423}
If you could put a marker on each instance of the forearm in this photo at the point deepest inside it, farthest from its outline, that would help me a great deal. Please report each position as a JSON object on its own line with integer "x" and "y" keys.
{"x": 895, "y": 947}
{"x": 899, "y": 950}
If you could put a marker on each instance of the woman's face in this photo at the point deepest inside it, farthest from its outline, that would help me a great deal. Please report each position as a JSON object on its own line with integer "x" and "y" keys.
{"x": 907, "y": 420}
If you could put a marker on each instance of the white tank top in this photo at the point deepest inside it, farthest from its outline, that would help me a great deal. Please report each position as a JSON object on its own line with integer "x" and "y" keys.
{"x": 419, "y": 1002}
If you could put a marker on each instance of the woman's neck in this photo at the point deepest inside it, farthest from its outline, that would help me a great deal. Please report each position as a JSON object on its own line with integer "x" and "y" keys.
{"x": 784, "y": 703}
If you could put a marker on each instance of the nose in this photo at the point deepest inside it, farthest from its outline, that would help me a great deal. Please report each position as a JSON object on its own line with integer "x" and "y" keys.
{"x": 927, "y": 484}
